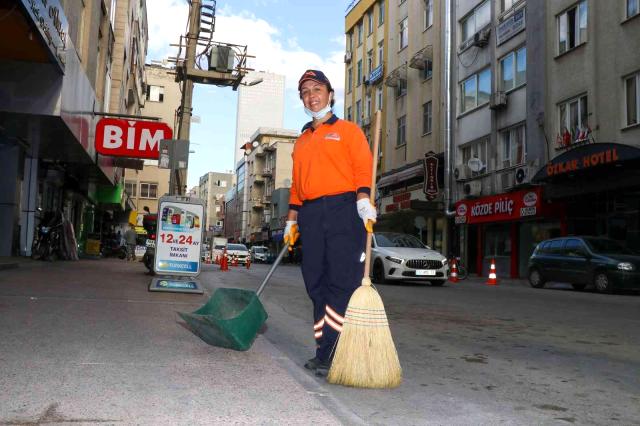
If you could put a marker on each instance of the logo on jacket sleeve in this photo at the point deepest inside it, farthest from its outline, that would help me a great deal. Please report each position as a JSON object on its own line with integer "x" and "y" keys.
{"x": 332, "y": 136}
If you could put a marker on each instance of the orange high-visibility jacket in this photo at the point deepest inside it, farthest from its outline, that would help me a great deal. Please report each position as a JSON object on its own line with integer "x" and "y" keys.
{"x": 329, "y": 160}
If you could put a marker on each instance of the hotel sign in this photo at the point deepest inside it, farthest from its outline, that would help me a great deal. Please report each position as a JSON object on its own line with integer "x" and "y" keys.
{"x": 510, "y": 26}
{"x": 48, "y": 17}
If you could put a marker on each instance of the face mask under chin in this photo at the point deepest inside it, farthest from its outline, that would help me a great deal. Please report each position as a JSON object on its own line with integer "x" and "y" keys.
{"x": 318, "y": 114}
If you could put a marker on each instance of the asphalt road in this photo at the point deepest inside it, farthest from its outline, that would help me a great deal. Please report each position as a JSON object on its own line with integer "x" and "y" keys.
{"x": 476, "y": 354}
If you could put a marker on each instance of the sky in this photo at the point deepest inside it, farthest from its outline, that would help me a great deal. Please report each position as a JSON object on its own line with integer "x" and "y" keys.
{"x": 285, "y": 36}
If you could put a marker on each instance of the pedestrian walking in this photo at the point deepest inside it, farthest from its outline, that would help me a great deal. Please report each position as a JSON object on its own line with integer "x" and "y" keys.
{"x": 130, "y": 238}
{"x": 329, "y": 208}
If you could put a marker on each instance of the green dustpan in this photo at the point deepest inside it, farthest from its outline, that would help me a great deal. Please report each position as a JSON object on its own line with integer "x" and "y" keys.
{"x": 232, "y": 317}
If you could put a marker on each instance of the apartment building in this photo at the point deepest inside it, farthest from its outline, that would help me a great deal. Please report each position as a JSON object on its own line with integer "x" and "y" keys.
{"x": 54, "y": 75}
{"x": 161, "y": 99}
{"x": 257, "y": 207}
{"x": 591, "y": 116}
{"x": 211, "y": 188}
{"x": 394, "y": 62}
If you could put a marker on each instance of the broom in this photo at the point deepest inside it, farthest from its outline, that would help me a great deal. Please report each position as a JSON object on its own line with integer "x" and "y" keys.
{"x": 365, "y": 355}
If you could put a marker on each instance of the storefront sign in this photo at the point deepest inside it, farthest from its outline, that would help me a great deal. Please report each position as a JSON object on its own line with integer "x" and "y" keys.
{"x": 510, "y": 26}
{"x": 502, "y": 207}
{"x": 179, "y": 236}
{"x": 48, "y": 17}
{"x": 587, "y": 157}
{"x": 430, "y": 164}
{"x": 130, "y": 138}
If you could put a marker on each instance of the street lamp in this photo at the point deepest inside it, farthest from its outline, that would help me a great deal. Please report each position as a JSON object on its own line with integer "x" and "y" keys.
{"x": 252, "y": 83}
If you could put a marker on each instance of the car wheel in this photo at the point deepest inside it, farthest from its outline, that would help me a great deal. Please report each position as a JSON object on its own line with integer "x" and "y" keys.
{"x": 378, "y": 273}
{"x": 578, "y": 286}
{"x": 437, "y": 283}
{"x": 602, "y": 282}
{"x": 536, "y": 279}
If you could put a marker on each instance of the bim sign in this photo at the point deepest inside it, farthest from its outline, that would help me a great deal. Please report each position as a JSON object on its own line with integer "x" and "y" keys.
{"x": 130, "y": 138}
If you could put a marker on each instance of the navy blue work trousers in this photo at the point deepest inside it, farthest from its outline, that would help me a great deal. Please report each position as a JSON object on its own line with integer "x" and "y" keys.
{"x": 333, "y": 239}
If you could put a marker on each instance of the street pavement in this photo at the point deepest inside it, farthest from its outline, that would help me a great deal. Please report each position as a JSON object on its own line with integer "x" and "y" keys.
{"x": 86, "y": 343}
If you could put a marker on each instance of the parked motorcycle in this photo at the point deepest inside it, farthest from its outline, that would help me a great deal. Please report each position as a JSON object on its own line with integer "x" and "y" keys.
{"x": 112, "y": 248}
{"x": 149, "y": 223}
{"x": 46, "y": 243}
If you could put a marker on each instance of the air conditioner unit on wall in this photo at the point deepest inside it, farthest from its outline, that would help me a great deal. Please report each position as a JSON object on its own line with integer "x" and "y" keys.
{"x": 481, "y": 38}
{"x": 347, "y": 57}
{"x": 498, "y": 100}
{"x": 461, "y": 172}
{"x": 473, "y": 188}
{"x": 523, "y": 174}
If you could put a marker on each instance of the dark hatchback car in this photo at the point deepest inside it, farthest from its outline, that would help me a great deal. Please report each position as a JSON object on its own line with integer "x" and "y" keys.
{"x": 581, "y": 261}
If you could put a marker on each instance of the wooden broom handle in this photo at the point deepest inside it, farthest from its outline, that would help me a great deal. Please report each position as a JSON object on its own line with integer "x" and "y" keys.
{"x": 372, "y": 196}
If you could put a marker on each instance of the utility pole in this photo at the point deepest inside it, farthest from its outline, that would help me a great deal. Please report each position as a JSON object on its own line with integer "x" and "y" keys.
{"x": 177, "y": 178}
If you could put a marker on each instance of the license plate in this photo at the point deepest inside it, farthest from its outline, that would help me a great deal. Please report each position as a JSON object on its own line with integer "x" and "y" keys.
{"x": 151, "y": 243}
{"x": 426, "y": 272}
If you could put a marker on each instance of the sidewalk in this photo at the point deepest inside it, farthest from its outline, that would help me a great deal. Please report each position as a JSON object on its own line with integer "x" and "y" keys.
{"x": 85, "y": 342}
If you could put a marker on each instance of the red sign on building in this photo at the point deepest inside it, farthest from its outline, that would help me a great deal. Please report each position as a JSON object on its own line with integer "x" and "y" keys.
{"x": 130, "y": 138}
{"x": 502, "y": 207}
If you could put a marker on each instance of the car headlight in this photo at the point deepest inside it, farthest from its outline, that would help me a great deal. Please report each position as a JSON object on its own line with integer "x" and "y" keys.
{"x": 626, "y": 266}
{"x": 444, "y": 262}
{"x": 394, "y": 259}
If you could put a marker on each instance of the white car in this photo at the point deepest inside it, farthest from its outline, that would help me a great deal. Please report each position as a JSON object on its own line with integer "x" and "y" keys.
{"x": 259, "y": 253}
{"x": 396, "y": 256}
{"x": 239, "y": 251}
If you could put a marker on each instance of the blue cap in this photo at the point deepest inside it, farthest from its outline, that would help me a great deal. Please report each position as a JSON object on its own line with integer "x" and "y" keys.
{"x": 314, "y": 75}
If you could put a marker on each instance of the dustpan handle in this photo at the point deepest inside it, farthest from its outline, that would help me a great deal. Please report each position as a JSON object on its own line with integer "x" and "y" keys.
{"x": 273, "y": 268}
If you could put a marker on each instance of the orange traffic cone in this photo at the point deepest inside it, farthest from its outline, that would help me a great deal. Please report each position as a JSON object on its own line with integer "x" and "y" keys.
{"x": 223, "y": 261}
{"x": 493, "y": 278}
{"x": 453, "y": 276}
{"x": 234, "y": 262}
{"x": 248, "y": 263}
{"x": 216, "y": 260}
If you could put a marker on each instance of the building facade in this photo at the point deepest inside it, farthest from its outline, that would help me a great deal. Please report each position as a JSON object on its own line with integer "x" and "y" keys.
{"x": 260, "y": 103}
{"x": 161, "y": 99}
{"x": 55, "y": 76}
{"x": 212, "y": 188}
{"x": 394, "y": 63}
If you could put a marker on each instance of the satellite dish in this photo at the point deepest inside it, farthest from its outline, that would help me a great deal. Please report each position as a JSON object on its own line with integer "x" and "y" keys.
{"x": 475, "y": 164}
{"x": 420, "y": 222}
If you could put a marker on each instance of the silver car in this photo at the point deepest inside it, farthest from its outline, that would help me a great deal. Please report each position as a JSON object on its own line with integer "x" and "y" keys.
{"x": 396, "y": 256}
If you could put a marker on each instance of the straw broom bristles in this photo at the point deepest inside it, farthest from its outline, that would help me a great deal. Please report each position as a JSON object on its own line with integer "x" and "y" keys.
{"x": 365, "y": 355}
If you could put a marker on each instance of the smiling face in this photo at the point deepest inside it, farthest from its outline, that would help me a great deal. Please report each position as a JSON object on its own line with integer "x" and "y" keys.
{"x": 314, "y": 95}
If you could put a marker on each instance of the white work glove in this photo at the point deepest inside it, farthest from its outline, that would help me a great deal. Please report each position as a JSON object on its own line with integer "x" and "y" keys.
{"x": 291, "y": 233}
{"x": 367, "y": 213}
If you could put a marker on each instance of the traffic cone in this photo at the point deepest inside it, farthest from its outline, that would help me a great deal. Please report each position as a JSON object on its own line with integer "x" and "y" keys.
{"x": 248, "y": 263}
{"x": 217, "y": 260}
{"x": 453, "y": 276}
{"x": 234, "y": 262}
{"x": 493, "y": 278}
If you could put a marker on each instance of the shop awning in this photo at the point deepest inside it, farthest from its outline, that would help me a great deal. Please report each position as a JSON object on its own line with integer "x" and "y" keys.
{"x": 587, "y": 157}
{"x": 401, "y": 175}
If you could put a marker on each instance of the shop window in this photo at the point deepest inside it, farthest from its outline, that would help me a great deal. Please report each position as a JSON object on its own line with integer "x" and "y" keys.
{"x": 632, "y": 97}
{"x": 572, "y": 27}
{"x": 513, "y": 146}
{"x": 497, "y": 242}
{"x": 148, "y": 190}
